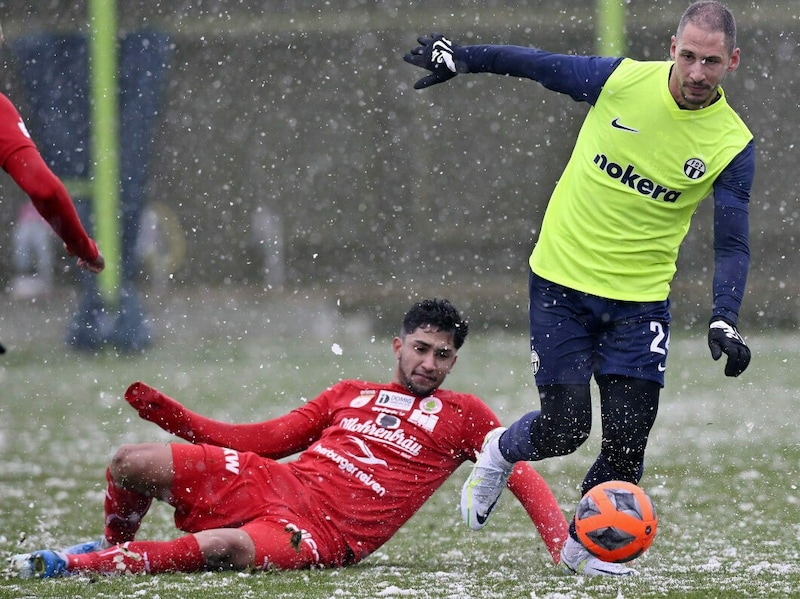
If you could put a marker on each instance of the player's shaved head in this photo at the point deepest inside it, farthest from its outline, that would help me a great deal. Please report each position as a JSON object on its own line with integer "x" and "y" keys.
{"x": 710, "y": 15}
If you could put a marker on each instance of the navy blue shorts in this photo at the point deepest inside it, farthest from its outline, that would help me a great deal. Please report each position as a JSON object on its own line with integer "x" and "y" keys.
{"x": 575, "y": 335}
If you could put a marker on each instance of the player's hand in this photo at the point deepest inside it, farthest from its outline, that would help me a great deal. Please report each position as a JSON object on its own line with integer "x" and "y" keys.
{"x": 159, "y": 409}
{"x": 435, "y": 54}
{"x": 95, "y": 266}
{"x": 151, "y": 404}
{"x": 724, "y": 338}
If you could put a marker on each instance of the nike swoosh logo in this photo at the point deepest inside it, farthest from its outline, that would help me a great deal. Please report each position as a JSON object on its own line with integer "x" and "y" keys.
{"x": 617, "y": 125}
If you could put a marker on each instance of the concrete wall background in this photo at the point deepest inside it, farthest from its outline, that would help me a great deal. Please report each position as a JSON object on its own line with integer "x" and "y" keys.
{"x": 306, "y": 110}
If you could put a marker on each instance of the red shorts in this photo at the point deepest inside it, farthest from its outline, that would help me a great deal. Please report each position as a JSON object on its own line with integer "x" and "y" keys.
{"x": 215, "y": 487}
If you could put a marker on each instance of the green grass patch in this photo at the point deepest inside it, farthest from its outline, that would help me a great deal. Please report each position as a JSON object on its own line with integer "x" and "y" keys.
{"x": 722, "y": 465}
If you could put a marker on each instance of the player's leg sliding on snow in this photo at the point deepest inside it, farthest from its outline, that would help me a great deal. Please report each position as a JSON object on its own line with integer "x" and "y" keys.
{"x": 181, "y": 555}
{"x": 139, "y": 473}
{"x": 116, "y": 551}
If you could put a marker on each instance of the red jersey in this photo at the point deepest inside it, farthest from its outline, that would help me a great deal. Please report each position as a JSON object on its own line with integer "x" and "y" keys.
{"x": 20, "y": 158}
{"x": 13, "y": 133}
{"x": 370, "y": 454}
{"x": 379, "y": 453}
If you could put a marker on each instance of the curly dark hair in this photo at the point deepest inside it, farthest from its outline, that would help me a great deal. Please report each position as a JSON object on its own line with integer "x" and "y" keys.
{"x": 439, "y": 313}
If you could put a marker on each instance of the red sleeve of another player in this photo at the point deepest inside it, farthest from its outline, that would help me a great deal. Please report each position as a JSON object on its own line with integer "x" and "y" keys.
{"x": 51, "y": 199}
{"x": 538, "y": 500}
{"x": 13, "y": 133}
{"x": 276, "y": 438}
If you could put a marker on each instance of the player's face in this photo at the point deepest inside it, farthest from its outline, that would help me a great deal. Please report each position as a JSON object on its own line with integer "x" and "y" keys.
{"x": 424, "y": 359}
{"x": 701, "y": 63}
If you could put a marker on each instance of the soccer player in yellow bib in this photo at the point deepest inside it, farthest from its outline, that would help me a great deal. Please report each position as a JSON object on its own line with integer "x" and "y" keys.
{"x": 658, "y": 139}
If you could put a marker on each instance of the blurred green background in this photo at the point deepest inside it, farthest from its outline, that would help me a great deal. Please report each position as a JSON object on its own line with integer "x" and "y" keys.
{"x": 293, "y": 155}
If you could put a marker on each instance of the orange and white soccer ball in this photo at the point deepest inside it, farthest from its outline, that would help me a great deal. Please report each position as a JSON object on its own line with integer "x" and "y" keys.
{"x": 616, "y": 521}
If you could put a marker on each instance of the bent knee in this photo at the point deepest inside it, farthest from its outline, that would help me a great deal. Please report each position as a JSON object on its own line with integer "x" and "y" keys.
{"x": 141, "y": 466}
{"x": 568, "y": 441}
{"x": 566, "y": 419}
{"x": 561, "y": 439}
{"x": 226, "y": 549}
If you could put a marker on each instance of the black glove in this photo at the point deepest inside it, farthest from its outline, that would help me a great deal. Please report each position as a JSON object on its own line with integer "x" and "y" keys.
{"x": 435, "y": 53}
{"x": 724, "y": 338}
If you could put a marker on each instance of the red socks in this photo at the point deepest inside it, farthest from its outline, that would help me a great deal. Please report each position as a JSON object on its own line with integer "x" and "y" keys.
{"x": 152, "y": 557}
{"x": 124, "y": 512}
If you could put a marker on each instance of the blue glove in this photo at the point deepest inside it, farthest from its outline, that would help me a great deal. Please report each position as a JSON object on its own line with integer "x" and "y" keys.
{"x": 435, "y": 54}
{"x": 724, "y": 338}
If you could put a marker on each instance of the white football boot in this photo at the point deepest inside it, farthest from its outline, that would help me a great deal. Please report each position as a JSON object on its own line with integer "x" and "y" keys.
{"x": 575, "y": 559}
{"x": 486, "y": 482}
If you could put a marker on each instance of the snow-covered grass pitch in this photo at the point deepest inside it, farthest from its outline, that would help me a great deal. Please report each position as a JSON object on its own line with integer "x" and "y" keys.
{"x": 722, "y": 466}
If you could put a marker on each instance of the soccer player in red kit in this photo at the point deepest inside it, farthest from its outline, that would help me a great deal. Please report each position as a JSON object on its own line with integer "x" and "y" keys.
{"x": 20, "y": 159}
{"x": 370, "y": 455}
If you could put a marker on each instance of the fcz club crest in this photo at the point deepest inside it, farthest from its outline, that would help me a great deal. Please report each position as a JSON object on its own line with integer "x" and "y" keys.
{"x": 535, "y": 361}
{"x": 694, "y": 168}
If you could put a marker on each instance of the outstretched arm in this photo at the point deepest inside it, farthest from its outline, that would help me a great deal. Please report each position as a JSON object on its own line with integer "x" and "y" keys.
{"x": 276, "y": 438}
{"x": 536, "y": 497}
{"x": 581, "y": 77}
{"x": 48, "y": 194}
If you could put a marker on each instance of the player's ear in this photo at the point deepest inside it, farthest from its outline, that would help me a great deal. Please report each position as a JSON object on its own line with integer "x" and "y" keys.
{"x": 397, "y": 345}
{"x": 733, "y": 61}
